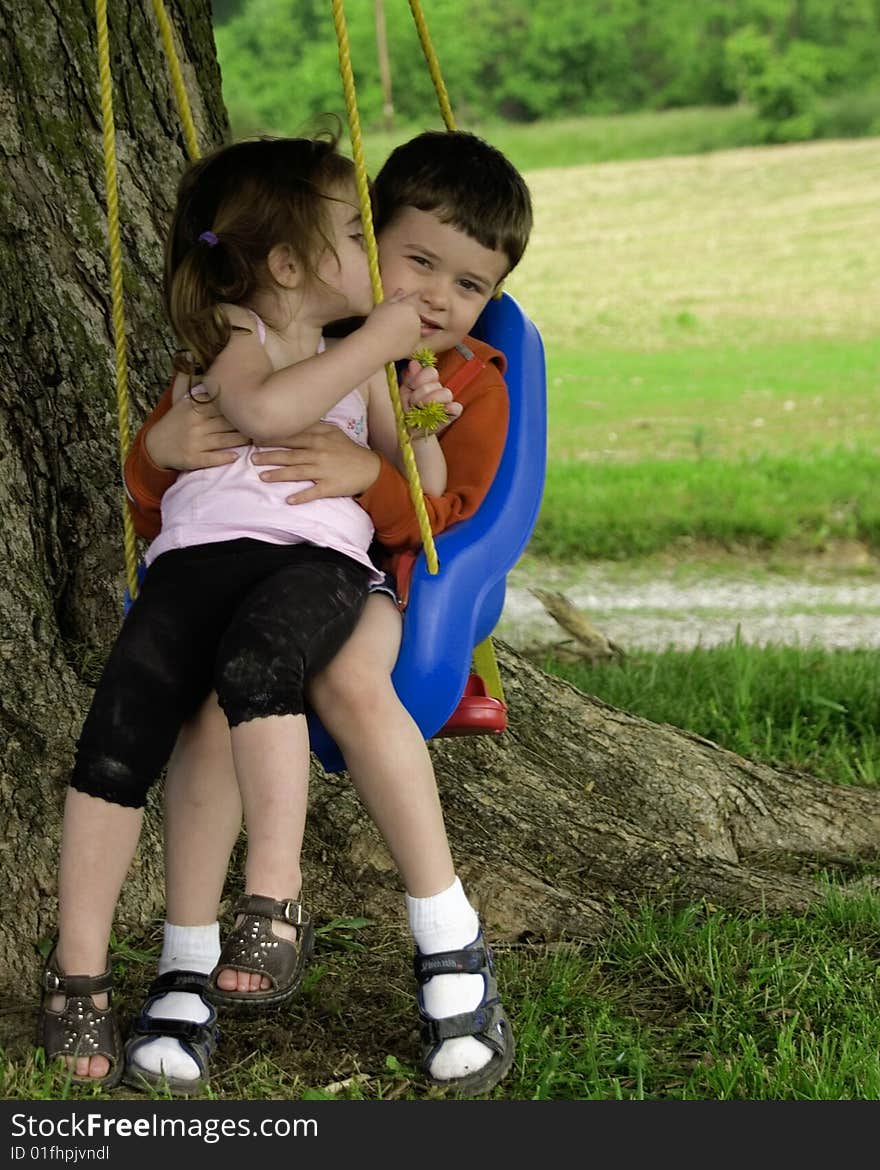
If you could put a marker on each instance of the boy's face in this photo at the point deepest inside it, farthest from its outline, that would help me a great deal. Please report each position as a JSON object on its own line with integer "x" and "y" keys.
{"x": 453, "y": 275}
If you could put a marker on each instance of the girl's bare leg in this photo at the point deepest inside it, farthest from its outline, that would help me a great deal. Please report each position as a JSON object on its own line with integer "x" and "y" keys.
{"x": 272, "y": 764}
{"x": 98, "y": 843}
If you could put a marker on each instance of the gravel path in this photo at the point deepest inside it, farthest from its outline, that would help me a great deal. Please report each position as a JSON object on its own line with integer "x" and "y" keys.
{"x": 681, "y": 610}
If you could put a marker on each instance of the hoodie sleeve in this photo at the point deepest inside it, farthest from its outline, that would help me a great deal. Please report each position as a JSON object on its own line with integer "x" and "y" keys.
{"x": 472, "y": 445}
{"x": 145, "y": 483}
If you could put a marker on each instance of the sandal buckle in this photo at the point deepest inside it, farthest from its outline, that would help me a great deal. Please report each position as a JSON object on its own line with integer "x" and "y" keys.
{"x": 288, "y": 906}
{"x": 52, "y": 981}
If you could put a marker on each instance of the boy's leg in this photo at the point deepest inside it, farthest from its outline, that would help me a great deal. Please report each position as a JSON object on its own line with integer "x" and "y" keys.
{"x": 202, "y": 817}
{"x": 391, "y": 768}
{"x": 202, "y": 823}
{"x": 383, "y": 748}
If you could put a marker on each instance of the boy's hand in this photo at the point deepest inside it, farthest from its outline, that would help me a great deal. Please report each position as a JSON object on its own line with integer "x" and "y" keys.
{"x": 421, "y": 385}
{"x": 395, "y": 322}
{"x": 338, "y": 465}
{"x": 192, "y": 435}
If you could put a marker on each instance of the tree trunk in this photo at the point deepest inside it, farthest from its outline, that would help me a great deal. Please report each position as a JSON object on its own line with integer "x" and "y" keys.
{"x": 576, "y": 806}
{"x": 580, "y": 805}
{"x": 60, "y": 489}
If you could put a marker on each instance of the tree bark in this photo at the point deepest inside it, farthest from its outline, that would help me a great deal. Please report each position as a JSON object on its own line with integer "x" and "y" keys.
{"x": 60, "y": 488}
{"x": 576, "y": 807}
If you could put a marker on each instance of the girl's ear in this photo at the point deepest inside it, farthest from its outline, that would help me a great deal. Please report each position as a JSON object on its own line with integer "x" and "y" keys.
{"x": 283, "y": 266}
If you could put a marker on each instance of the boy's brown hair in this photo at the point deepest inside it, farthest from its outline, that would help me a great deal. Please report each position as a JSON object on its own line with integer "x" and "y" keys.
{"x": 233, "y": 207}
{"x": 465, "y": 182}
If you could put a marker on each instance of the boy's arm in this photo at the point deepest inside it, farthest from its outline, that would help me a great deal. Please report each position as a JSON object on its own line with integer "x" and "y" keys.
{"x": 472, "y": 448}
{"x": 145, "y": 483}
{"x": 418, "y": 386}
{"x": 181, "y": 435}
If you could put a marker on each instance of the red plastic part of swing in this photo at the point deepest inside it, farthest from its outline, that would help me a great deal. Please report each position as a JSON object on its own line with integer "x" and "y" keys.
{"x": 477, "y": 713}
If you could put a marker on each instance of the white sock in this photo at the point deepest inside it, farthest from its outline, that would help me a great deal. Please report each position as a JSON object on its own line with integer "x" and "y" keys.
{"x": 447, "y": 922}
{"x": 184, "y": 948}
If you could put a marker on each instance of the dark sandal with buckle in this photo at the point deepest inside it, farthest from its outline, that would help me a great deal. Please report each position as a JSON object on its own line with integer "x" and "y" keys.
{"x": 253, "y": 947}
{"x": 197, "y": 1040}
{"x": 486, "y": 1023}
{"x": 79, "y": 1028}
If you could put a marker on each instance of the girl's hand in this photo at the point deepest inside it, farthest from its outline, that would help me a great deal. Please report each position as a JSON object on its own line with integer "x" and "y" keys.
{"x": 323, "y": 453}
{"x": 192, "y": 435}
{"x": 396, "y": 324}
{"x": 421, "y": 385}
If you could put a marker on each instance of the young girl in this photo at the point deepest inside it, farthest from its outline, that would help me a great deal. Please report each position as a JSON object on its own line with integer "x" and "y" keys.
{"x": 243, "y": 595}
{"x": 453, "y": 218}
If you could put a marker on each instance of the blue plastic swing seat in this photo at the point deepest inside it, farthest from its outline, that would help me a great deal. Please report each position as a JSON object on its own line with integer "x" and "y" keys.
{"x": 451, "y": 612}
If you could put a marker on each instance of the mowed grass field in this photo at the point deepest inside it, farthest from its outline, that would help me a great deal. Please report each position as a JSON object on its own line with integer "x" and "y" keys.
{"x": 718, "y": 309}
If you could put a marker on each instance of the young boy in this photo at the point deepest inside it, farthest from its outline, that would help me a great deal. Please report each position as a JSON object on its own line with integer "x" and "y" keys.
{"x": 453, "y": 220}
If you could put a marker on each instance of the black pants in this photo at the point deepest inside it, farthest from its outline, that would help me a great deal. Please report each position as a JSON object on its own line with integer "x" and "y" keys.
{"x": 248, "y": 619}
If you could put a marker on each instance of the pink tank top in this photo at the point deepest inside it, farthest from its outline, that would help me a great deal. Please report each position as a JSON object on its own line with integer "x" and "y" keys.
{"x": 229, "y": 502}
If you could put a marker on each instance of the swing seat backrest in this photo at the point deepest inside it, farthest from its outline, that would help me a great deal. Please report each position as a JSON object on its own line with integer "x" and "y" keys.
{"x": 451, "y": 612}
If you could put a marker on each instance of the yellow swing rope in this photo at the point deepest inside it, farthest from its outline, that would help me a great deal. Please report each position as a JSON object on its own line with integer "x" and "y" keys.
{"x": 115, "y": 249}
{"x": 111, "y": 181}
{"x": 183, "y": 106}
{"x": 484, "y": 660}
{"x": 409, "y": 459}
{"x": 415, "y": 7}
{"x": 115, "y": 256}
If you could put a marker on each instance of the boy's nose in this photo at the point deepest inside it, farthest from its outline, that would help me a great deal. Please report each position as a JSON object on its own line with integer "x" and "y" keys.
{"x": 435, "y": 293}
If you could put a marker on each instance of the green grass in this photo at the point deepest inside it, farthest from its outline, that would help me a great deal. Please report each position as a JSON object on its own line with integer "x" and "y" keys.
{"x": 698, "y": 1004}
{"x": 719, "y": 400}
{"x": 616, "y": 511}
{"x": 671, "y": 1003}
{"x": 795, "y": 707}
{"x": 711, "y": 345}
{"x": 758, "y": 447}
{"x": 736, "y": 250}
{"x": 688, "y": 1003}
{"x": 565, "y": 142}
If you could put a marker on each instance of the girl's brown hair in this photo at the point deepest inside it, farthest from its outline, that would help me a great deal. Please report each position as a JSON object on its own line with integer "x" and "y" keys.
{"x": 233, "y": 207}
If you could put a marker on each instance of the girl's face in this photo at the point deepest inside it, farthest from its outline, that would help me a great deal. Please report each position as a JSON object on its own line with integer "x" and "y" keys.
{"x": 344, "y": 279}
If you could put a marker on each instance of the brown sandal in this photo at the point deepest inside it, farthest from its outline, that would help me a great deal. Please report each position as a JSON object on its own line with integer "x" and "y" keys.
{"x": 254, "y": 948}
{"x": 80, "y": 1028}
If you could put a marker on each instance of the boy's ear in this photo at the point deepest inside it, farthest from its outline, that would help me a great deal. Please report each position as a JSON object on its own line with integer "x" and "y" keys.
{"x": 283, "y": 266}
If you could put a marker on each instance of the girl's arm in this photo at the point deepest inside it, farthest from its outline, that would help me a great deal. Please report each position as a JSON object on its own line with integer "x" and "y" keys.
{"x": 269, "y": 404}
{"x": 472, "y": 448}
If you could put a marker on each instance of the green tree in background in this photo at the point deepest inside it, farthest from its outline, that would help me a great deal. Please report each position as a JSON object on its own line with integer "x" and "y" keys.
{"x": 523, "y": 60}
{"x": 783, "y": 87}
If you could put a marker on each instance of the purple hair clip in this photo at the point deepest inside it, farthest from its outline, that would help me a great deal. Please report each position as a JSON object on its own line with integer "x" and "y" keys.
{"x": 209, "y": 238}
